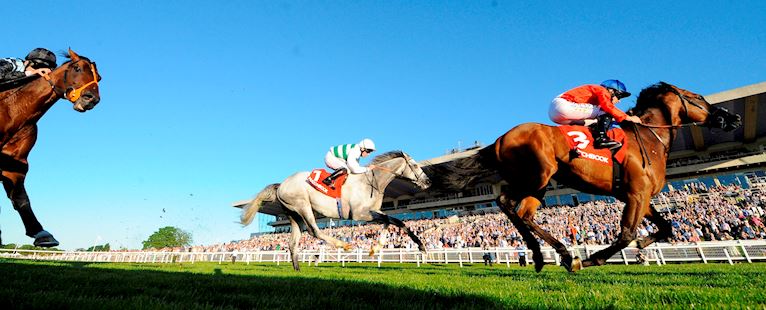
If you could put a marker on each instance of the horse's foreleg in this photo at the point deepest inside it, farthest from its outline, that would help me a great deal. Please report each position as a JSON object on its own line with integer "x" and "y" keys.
{"x": 384, "y": 217}
{"x": 14, "y": 187}
{"x": 311, "y": 223}
{"x": 631, "y": 216}
{"x": 665, "y": 230}
{"x": 295, "y": 237}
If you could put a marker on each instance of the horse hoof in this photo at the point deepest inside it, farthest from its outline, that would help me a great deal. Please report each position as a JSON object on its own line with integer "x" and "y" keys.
{"x": 576, "y": 264}
{"x": 44, "y": 239}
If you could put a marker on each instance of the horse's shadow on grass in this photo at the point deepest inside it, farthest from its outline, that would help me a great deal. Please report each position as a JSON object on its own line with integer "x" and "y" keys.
{"x": 80, "y": 285}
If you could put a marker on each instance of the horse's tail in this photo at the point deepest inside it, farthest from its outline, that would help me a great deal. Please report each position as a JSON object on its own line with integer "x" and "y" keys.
{"x": 269, "y": 193}
{"x": 456, "y": 174}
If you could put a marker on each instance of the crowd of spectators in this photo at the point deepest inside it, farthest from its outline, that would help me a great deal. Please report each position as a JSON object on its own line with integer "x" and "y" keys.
{"x": 696, "y": 212}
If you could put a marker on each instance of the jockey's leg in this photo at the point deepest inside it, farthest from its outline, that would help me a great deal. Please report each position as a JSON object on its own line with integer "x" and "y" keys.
{"x": 329, "y": 180}
{"x": 600, "y": 139}
{"x": 564, "y": 112}
{"x": 665, "y": 230}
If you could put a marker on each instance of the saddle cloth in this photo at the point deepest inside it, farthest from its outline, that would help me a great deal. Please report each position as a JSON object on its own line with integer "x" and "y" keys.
{"x": 318, "y": 175}
{"x": 580, "y": 140}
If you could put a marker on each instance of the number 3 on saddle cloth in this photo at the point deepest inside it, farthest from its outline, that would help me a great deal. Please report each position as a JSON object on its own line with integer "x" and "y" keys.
{"x": 315, "y": 180}
{"x": 580, "y": 142}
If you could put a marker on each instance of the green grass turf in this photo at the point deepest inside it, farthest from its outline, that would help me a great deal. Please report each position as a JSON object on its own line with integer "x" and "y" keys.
{"x": 53, "y": 285}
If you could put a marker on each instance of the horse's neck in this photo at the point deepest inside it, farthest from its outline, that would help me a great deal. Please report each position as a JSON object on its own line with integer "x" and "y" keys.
{"x": 656, "y": 116}
{"x": 378, "y": 180}
{"x": 31, "y": 101}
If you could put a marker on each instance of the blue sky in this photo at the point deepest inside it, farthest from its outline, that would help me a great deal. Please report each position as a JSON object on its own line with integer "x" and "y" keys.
{"x": 203, "y": 103}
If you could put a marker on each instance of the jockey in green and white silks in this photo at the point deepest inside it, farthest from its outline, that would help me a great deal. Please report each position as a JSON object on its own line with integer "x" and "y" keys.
{"x": 345, "y": 157}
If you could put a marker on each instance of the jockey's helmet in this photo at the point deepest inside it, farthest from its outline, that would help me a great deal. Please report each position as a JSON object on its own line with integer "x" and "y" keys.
{"x": 42, "y": 58}
{"x": 367, "y": 144}
{"x": 617, "y": 87}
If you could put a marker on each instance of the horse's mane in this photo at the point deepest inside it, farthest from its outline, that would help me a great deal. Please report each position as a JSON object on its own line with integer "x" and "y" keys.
{"x": 387, "y": 156}
{"x": 648, "y": 96}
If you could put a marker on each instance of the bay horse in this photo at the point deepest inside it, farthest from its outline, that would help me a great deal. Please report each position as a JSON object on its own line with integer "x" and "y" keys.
{"x": 20, "y": 110}
{"x": 529, "y": 155}
{"x": 363, "y": 193}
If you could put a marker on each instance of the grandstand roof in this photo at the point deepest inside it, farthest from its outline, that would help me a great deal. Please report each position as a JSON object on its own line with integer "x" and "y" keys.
{"x": 748, "y": 101}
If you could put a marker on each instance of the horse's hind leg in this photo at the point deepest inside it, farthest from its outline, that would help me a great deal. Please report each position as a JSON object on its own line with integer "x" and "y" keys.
{"x": 529, "y": 239}
{"x": 295, "y": 237}
{"x": 665, "y": 230}
{"x": 526, "y": 211}
{"x": 384, "y": 218}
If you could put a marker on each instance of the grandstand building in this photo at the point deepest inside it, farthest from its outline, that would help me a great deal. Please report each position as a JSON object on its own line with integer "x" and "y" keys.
{"x": 699, "y": 155}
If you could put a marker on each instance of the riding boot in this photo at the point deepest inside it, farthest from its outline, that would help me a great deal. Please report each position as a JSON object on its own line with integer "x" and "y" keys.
{"x": 600, "y": 139}
{"x": 329, "y": 180}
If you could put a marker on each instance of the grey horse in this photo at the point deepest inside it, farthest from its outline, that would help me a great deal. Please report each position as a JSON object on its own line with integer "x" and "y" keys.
{"x": 362, "y": 193}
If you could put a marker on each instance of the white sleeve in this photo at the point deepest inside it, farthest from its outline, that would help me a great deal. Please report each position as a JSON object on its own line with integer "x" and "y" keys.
{"x": 353, "y": 160}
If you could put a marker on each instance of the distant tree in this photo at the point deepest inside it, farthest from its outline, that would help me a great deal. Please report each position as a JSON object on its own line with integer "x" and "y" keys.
{"x": 168, "y": 237}
{"x": 99, "y": 248}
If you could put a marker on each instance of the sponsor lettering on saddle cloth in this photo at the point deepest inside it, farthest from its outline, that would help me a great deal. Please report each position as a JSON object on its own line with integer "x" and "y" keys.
{"x": 580, "y": 140}
{"x": 315, "y": 180}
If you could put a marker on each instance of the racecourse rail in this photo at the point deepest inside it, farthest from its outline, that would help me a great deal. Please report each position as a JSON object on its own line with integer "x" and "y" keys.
{"x": 660, "y": 253}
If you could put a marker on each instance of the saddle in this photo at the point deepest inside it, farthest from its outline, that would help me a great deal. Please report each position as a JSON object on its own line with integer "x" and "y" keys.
{"x": 580, "y": 140}
{"x": 318, "y": 175}
{"x": 315, "y": 179}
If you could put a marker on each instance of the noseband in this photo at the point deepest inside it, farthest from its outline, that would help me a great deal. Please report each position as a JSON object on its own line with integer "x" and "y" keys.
{"x": 73, "y": 94}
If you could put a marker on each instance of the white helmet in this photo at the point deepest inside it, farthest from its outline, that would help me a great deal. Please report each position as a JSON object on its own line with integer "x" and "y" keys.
{"x": 367, "y": 144}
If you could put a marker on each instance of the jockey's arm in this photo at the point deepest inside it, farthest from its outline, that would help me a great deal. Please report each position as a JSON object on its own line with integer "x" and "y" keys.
{"x": 606, "y": 104}
{"x": 353, "y": 161}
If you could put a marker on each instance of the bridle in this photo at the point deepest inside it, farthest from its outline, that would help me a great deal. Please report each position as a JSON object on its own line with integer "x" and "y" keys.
{"x": 684, "y": 100}
{"x": 70, "y": 93}
{"x": 398, "y": 175}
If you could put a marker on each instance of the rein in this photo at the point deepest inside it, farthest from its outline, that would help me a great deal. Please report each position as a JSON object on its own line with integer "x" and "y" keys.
{"x": 389, "y": 170}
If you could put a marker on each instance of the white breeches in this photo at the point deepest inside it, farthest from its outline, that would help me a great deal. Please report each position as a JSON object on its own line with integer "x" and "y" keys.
{"x": 333, "y": 162}
{"x": 565, "y": 112}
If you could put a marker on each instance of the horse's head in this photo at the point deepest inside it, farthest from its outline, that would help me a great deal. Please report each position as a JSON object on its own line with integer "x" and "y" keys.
{"x": 404, "y": 167}
{"x": 414, "y": 173}
{"x": 80, "y": 82}
{"x": 690, "y": 107}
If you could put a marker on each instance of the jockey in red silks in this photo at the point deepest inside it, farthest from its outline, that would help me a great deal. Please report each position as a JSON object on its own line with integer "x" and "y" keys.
{"x": 588, "y": 104}
{"x": 345, "y": 157}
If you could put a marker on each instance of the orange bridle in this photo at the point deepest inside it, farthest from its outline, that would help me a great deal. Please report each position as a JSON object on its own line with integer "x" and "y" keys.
{"x": 75, "y": 94}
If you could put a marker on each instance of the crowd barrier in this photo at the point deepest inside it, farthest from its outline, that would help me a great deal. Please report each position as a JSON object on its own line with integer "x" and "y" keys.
{"x": 746, "y": 251}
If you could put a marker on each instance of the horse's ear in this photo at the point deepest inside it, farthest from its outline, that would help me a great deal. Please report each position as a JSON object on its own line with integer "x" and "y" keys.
{"x": 73, "y": 56}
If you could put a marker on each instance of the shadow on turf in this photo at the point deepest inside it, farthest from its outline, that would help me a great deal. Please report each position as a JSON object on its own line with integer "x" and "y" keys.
{"x": 31, "y": 285}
